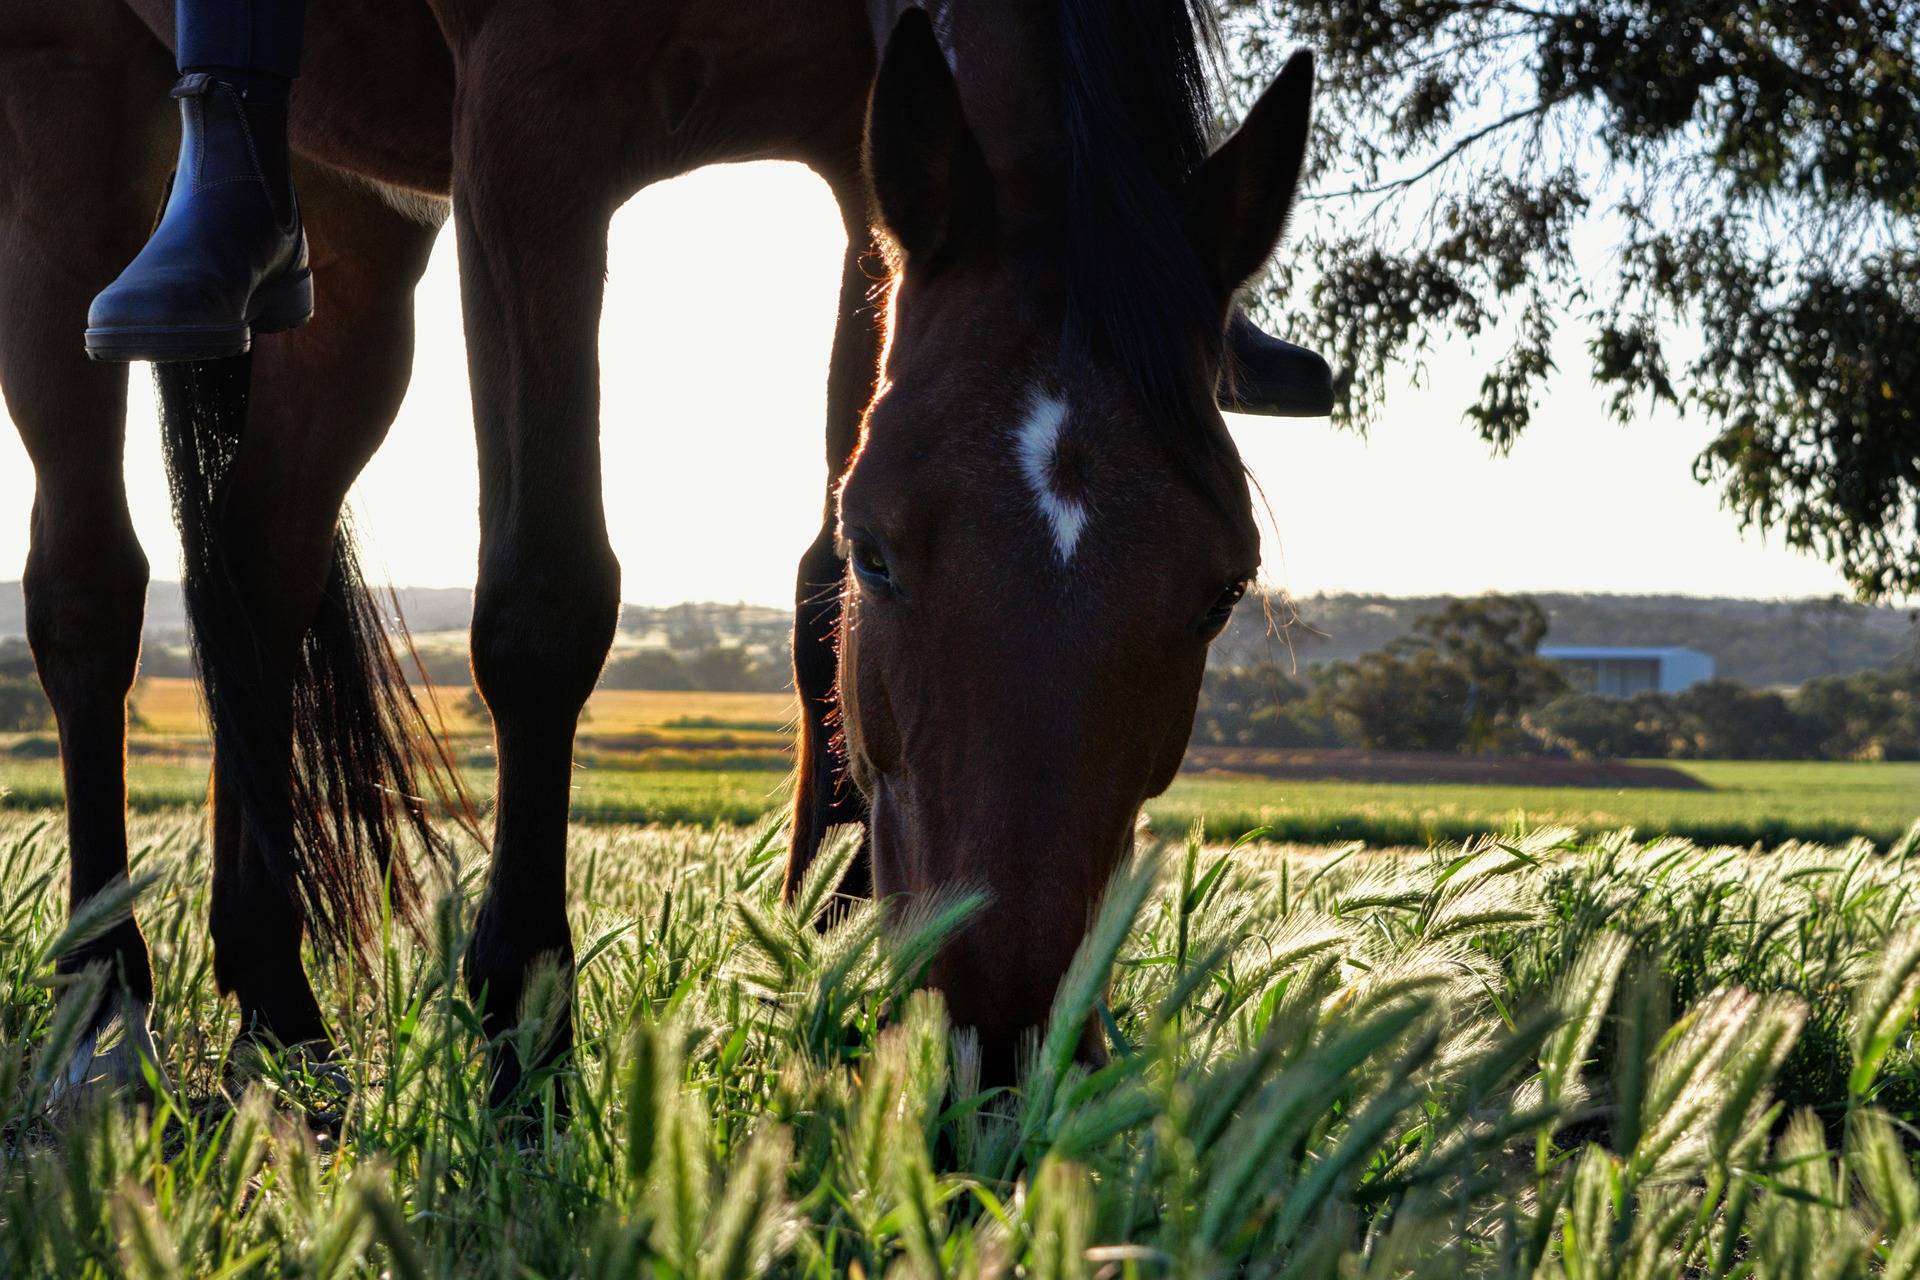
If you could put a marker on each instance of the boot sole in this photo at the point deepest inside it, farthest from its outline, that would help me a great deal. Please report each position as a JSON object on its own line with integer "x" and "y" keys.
{"x": 274, "y": 308}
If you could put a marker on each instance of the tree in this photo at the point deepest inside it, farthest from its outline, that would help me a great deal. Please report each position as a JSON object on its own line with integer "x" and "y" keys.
{"x": 158, "y": 660}
{"x": 16, "y": 659}
{"x": 645, "y": 669}
{"x": 1871, "y": 715}
{"x": 23, "y": 705}
{"x": 1600, "y": 728}
{"x": 1258, "y": 706}
{"x": 445, "y": 665}
{"x": 1406, "y": 697}
{"x": 1748, "y": 170}
{"x": 729, "y": 668}
{"x": 1724, "y": 720}
{"x": 1462, "y": 679}
{"x": 1496, "y": 640}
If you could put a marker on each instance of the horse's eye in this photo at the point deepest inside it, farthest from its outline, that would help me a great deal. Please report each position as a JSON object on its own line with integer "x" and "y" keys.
{"x": 1222, "y": 610}
{"x": 869, "y": 565}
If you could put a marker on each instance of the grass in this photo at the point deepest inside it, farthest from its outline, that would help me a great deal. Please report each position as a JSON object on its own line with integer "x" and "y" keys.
{"x": 1537, "y": 1057}
{"x": 1750, "y": 801}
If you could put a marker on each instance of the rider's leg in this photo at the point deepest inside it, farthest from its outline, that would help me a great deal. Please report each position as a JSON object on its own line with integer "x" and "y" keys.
{"x": 254, "y": 45}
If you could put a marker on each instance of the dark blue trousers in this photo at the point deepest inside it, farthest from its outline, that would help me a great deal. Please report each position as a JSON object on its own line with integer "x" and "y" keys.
{"x": 245, "y": 35}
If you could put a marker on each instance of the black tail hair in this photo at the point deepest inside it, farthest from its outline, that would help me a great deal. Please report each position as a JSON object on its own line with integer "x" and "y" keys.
{"x": 330, "y": 827}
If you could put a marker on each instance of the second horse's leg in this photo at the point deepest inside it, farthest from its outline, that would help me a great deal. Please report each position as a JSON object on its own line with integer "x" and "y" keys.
{"x": 532, "y": 267}
{"x": 823, "y": 794}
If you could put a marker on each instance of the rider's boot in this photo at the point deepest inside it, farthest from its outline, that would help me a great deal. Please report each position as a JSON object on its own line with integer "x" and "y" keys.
{"x": 229, "y": 258}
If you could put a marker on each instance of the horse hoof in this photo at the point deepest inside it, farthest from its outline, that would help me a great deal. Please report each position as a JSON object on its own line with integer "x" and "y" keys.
{"x": 116, "y": 1054}
{"x": 530, "y": 1127}
{"x": 306, "y": 1077}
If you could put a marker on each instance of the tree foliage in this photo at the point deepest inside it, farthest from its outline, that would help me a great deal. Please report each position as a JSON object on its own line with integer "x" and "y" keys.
{"x": 23, "y": 705}
{"x": 1869, "y": 715}
{"x": 1742, "y": 178}
{"x": 723, "y": 668}
{"x": 1460, "y": 681}
{"x": 1495, "y": 640}
{"x": 1406, "y": 697}
{"x": 1259, "y": 706}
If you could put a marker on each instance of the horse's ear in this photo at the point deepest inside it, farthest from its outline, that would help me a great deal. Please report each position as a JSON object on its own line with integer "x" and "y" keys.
{"x": 1238, "y": 201}
{"x": 930, "y": 181}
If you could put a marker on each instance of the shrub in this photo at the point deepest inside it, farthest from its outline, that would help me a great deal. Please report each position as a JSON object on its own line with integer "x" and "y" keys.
{"x": 1259, "y": 706}
{"x": 1597, "y": 728}
{"x": 1725, "y": 720}
{"x": 1406, "y": 697}
{"x": 732, "y": 669}
{"x": 720, "y": 668}
{"x": 1870, "y": 715}
{"x": 645, "y": 669}
{"x": 23, "y": 705}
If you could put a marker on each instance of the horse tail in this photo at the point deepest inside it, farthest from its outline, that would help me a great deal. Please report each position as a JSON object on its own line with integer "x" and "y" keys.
{"x": 366, "y": 769}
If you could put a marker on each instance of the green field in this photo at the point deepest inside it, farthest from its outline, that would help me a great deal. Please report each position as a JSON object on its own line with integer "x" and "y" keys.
{"x": 706, "y": 757}
{"x": 1533, "y": 1058}
{"x": 1750, "y": 801}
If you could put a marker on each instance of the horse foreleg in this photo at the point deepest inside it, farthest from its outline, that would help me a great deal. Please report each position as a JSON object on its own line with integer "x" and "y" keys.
{"x": 823, "y": 794}
{"x": 84, "y": 155}
{"x": 322, "y": 400}
{"x": 532, "y": 237}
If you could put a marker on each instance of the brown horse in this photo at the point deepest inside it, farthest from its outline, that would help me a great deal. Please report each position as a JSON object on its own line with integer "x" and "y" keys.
{"x": 1045, "y": 517}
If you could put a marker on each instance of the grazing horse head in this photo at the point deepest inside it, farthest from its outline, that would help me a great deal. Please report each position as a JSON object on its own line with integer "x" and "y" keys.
{"x": 1046, "y": 522}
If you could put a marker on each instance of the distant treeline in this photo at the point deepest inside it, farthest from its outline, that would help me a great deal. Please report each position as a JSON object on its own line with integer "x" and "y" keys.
{"x": 1764, "y": 644}
{"x": 1870, "y": 715}
{"x": 1468, "y": 678}
{"x": 1436, "y": 674}
{"x": 715, "y": 667}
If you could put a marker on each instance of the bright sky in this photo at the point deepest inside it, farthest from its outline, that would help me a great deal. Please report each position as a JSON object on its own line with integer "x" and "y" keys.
{"x": 713, "y": 360}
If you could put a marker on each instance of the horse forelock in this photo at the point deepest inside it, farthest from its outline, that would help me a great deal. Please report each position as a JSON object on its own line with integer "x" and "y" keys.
{"x": 1136, "y": 115}
{"x": 1096, "y": 116}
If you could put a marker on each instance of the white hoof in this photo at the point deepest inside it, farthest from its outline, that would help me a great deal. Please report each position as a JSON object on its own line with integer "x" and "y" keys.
{"x": 111, "y": 1056}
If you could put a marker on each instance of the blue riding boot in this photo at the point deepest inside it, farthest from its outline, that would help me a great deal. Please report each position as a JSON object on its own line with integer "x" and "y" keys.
{"x": 229, "y": 258}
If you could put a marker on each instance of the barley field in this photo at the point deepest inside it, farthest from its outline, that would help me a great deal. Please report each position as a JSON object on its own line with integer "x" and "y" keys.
{"x": 169, "y": 706}
{"x": 1533, "y": 1056}
{"x": 682, "y": 757}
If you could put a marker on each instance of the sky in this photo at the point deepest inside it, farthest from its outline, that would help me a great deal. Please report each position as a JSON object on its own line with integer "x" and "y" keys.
{"x": 713, "y": 357}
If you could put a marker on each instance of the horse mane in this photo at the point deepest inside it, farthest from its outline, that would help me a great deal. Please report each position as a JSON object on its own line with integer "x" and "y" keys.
{"x": 1137, "y": 113}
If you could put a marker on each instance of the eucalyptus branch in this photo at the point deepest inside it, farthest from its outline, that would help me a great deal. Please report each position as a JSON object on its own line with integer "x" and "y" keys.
{"x": 1479, "y": 135}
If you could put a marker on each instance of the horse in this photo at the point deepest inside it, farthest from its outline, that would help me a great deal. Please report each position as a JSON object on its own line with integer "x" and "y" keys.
{"x": 1034, "y": 523}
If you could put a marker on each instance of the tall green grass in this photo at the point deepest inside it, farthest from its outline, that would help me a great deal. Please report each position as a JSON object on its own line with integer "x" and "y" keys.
{"x": 1523, "y": 1057}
